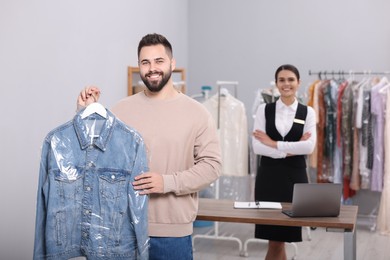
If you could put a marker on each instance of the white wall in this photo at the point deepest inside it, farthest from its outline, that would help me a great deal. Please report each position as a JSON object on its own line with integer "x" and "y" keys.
{"x": 247, "y": 40}
{"x": 49, "y": 50}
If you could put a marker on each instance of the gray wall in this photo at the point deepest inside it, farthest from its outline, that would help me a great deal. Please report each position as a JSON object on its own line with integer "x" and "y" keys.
{"x": 246, "y": 41}
{"x": 49, "y": 50}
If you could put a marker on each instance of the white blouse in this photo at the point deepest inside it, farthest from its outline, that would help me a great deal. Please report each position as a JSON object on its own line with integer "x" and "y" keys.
{"x": 284, "y": 118}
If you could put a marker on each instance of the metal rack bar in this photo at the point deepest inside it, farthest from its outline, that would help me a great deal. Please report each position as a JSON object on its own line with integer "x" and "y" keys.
{"x": 343, "y": 73}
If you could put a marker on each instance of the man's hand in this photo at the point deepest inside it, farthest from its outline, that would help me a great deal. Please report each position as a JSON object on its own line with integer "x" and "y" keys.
{"x": 264, "y": 138}
{"x": 87, "y": 96}
{"x": 149, "y": 182}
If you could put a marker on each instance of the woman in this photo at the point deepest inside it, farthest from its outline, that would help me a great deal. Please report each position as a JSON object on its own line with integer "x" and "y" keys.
{"x": 284, "y": 132}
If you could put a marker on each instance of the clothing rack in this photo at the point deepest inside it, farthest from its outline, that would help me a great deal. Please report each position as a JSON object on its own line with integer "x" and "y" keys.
{"x": 215, "y": 234}
{"x": 365, "y": 219}
{"x": 344, "y": 73}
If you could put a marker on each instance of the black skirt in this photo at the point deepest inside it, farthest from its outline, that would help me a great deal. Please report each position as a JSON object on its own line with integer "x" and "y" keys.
{"x": 276, "y": 183}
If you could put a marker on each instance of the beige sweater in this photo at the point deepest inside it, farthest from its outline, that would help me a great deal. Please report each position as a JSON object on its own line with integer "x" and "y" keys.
{"x": 182, "y": 145}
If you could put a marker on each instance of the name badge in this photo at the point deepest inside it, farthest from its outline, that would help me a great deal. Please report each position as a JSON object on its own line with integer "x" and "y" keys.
{"x": 299, "y": 121}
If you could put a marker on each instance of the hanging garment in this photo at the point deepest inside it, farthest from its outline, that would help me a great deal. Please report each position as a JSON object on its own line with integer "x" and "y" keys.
{"x": 330, "y": 99}
{"x": 346, "y": 128}
{"x": 364, "y": 172}
{"x": 313, "y": 102}
{"x": 336, "y": 157}
{"x": 86, "y": 204}
{"x": 378, "y": 104}
{"x": 367, "y": 133}
{"x": 355, "y": 176}
{"x": 347, "y": 136}
{"x": 383, "y": 220}
{"x": 321, "y": 127}
{"x": 232, "y": 131}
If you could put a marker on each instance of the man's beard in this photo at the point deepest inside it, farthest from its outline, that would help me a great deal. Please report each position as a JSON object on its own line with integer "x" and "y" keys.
{"x": 155, "y": 86}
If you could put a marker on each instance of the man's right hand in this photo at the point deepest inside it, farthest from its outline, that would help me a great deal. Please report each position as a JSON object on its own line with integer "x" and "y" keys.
{"x": 87, "y": 96}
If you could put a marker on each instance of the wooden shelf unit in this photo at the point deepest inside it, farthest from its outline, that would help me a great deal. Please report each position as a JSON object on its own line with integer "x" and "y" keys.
{"x": 133, "y": 77}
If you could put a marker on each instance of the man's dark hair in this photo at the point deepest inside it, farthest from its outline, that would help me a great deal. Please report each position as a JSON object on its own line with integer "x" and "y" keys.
{"x": 155, "y": 39}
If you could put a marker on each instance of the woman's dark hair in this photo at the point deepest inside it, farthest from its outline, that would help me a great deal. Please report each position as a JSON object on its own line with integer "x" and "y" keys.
{"x": 289, "y": 67}
{"x": 155, "y": 39}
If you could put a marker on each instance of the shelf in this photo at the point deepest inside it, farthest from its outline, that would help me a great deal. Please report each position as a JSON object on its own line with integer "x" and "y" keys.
{"x": 133, "y": 78}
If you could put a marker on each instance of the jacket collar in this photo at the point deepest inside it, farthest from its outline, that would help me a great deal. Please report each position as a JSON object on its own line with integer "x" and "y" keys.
{"x": 82, "y": 131}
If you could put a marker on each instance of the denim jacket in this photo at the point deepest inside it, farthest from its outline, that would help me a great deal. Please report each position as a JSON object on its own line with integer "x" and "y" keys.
{"x": 86, "y": 204}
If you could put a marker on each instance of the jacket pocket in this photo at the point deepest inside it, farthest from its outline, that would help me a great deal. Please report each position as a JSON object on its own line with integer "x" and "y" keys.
{"x": 69, "y": 184}
{"x": 112, "y": 183}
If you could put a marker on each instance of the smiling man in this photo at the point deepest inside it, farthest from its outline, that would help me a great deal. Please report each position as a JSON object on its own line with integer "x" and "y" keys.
{"x": 182, "y": 146}
{"x": 155, "y": 70}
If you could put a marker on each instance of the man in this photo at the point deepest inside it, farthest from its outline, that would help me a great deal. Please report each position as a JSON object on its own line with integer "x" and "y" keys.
{"x": 182, "y": 144}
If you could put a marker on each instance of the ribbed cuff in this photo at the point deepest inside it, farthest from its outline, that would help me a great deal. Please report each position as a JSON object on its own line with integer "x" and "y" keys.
{"x": 169, "y": 183}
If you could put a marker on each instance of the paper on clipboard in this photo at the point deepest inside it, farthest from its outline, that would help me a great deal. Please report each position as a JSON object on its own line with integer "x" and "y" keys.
{"x": 257, "y": 205}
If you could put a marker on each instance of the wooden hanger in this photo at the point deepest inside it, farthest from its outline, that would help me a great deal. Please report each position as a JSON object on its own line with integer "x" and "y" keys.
{"x": 94, "y": 108}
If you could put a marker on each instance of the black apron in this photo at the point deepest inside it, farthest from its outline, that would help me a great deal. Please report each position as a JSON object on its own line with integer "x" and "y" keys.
{"x": 276, "y": 177}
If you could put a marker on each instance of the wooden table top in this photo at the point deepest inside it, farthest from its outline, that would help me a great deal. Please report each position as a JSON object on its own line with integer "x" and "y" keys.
{"x": 223, "y": 211}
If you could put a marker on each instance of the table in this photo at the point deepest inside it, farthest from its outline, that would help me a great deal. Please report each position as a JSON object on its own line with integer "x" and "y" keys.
{"x": 223, "y": 211}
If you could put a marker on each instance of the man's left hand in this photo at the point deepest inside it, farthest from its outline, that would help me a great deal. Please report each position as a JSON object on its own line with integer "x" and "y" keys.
{"x": 149, "y": 182}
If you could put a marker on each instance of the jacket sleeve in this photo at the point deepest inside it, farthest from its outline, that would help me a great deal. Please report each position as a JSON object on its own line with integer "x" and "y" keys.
{"x": 138, "y": 205}
{"x": 40, "y": 218}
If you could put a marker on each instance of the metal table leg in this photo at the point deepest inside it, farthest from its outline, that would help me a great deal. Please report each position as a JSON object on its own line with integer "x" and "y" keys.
{"x": 350, "y": 245}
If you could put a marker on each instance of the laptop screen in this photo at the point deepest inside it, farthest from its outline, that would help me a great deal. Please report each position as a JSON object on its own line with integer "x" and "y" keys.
{"x": 316, "y": 200}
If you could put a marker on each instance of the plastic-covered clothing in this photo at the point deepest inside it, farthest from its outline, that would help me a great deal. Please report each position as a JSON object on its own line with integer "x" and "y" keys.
{"x": 378, "y": 108}
{"x": 233, "y": 133}
{"x": 86, "y": 204}
{"x": 383, "y": 223}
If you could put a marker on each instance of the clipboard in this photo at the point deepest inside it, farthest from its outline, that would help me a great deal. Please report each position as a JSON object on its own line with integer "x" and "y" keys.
{"x": 257, "y": 205}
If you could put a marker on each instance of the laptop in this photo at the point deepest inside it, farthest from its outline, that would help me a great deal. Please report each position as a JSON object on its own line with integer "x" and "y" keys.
{"x": 315, "y": 200}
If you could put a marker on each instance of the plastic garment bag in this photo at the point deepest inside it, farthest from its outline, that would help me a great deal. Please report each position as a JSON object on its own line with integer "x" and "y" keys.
{"x": 86, "y": 204}
{"x": 233, "y": 133}
{"x": 383, "y": 223}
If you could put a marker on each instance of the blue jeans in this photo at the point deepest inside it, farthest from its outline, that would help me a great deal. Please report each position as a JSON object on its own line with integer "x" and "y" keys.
{"x": 170, "y": 248}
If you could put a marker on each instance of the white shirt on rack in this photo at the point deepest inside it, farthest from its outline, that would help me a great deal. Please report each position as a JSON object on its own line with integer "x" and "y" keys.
{"x": 284, "y": 117}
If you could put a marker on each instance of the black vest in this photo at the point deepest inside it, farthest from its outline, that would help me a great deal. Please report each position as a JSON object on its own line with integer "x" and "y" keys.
{"x": 295, "y": 134}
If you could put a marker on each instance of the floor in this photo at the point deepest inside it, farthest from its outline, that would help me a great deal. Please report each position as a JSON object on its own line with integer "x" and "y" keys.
{"x": 318, "y": 244}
